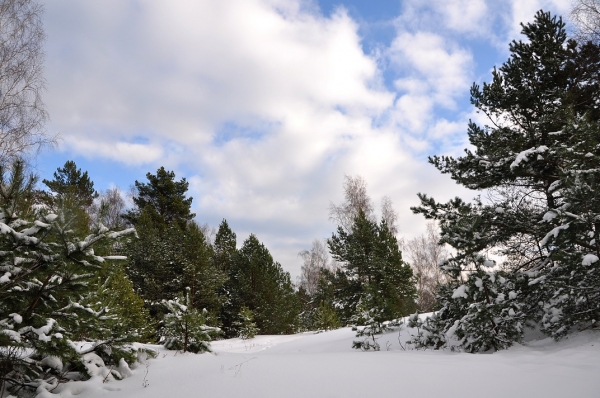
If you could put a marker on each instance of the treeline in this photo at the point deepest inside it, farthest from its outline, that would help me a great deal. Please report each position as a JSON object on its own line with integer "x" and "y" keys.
{"x": 78, "y": 266}
{"x": 175, "y": 259}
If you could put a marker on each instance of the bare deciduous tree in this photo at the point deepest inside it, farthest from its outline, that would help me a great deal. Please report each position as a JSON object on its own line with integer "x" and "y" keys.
{"x": 424, "y": 255}
{"x": 108, "y": 208}
{"x": 22, "y": 112}
{"x": 586, "y": 16}
{"x": 208, "y": 232}
{"x": 315, "y": 260}
{"x": 355, "y": 191}
{"x": 356, "y": 198}
{"x": 389, "y": 215}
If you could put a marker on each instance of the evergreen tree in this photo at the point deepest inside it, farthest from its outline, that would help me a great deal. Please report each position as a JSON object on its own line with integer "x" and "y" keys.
{"x": 71, "y": 188}
{"x": 382, "y": 285}
{"x": 153, "y": 265}
{"x": 225, "y": 247}
{"x": 163, "y": 199}
{"x": 71, "y": 182}
{"x": 259, "y": 283}
{"x": 171, "y": 257}
{"x": 185, "y": 326}
{"x": 246, "y": 326}
{"x": 46, "y": 296}
{"x": 162, "y": 264}
{"x": 536, "y": 161}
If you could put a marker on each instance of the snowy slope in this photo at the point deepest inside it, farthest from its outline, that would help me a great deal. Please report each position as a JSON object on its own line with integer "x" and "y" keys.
{"x": 324, "y": 365}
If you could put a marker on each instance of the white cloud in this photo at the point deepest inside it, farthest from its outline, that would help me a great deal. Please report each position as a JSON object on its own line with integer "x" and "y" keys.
{"x": 466, "y": 17}
{"x": 265, "y": 104}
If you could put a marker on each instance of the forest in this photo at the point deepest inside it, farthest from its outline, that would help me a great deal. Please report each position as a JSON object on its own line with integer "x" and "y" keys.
{"x": 108, "y": 269}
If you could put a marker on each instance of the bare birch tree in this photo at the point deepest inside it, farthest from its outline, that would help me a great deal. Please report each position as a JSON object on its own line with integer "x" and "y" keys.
{"x": 356, "y": 198}
{"x": 108, "y": 208}
{"x": 315, "y": 260}
{"x": 389, "y": 215}
{"x": 424, "y": 255}
{"x": 22, "y": 112}
{"x": 586, "y": 16}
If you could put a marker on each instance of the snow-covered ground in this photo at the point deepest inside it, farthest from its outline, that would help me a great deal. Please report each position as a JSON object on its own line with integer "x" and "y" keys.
{"x": 325, "y": 365}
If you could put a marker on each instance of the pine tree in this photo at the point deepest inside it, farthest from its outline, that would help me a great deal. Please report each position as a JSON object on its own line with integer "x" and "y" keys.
{"x": 185, "y": 327}
{"x": 383, "y": 287}
{"x": 536, "y": 161}
{"x": 70, "y": 182}
{"x": 246, "y": 326}
{"x": 45, "y": 290}
{"x": 163, "y": 199}
{"x": 71, "y": 188}
{"x": 171, "y": 254}
{"x": 225, "y": 247}
{"x": 258, "y": 282}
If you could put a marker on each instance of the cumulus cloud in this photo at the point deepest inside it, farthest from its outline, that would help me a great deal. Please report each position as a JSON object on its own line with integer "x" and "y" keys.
{"x": 264, "y": 105}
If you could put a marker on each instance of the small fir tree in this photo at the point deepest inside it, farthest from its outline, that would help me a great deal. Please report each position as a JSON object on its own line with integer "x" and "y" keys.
{"x": 184, "y": 327}
{"x": 246, "y": 326}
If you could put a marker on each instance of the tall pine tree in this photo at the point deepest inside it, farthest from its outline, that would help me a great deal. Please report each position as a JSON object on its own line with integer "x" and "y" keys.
{"x": 379, "y": 286}
{"x": 536, "y": 161}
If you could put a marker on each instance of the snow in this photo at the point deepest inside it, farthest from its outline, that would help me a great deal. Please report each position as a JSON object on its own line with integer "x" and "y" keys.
{"x": 325, "y": 365}
{"x": 489, "y": 263}
{"x": 460, "y": 291}
{"x": 554, "y": 233}
{"x": 524, "y": 156}
{"x": 549, "y": 216}
{"x": 5, "y": 278}
{"x": 51, "y": 217}
{"x": 589, "y": 259}
{"x": 53, "y": 362}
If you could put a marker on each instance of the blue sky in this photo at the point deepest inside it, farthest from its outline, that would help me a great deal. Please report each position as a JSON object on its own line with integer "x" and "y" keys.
{"x": 264, "y": 105}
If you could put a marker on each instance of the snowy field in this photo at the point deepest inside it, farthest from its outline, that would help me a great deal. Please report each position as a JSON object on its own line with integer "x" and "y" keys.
{"x": 325, "y": 365}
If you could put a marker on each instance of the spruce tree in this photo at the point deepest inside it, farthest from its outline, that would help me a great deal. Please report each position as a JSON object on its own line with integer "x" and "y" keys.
{"x": 185, "y": 327}
{"x": 259, "y": 283}
{"x": 225, "y": 247}
{"x": 170, "y": 263}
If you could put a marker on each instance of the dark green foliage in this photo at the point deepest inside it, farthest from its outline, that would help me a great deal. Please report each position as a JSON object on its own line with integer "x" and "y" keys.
{"x": 184, "y": 327}
{"x": 539, "y": 163}
{"x": 162, "y": 264}
{"x": 163, "y": 199}
{"x": 259, "y": 283}
{"x": 71, "y": 189}
{"x": 171, "y": 257}
{"x": 531, "y": 97}
{"x": 70, "y": 182}
{"x": 325, "y": 318}
{"x": 153, "y": 261}
{"x": 337, "y": 289}
{"x": 129, "y": 317}
{"x": 225, "y": 247}
{"x": 372, "y": 287}
{"x": 46, "y": 296}
{"x": 372, "y": 272}
{"x": 246, "y": 326}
